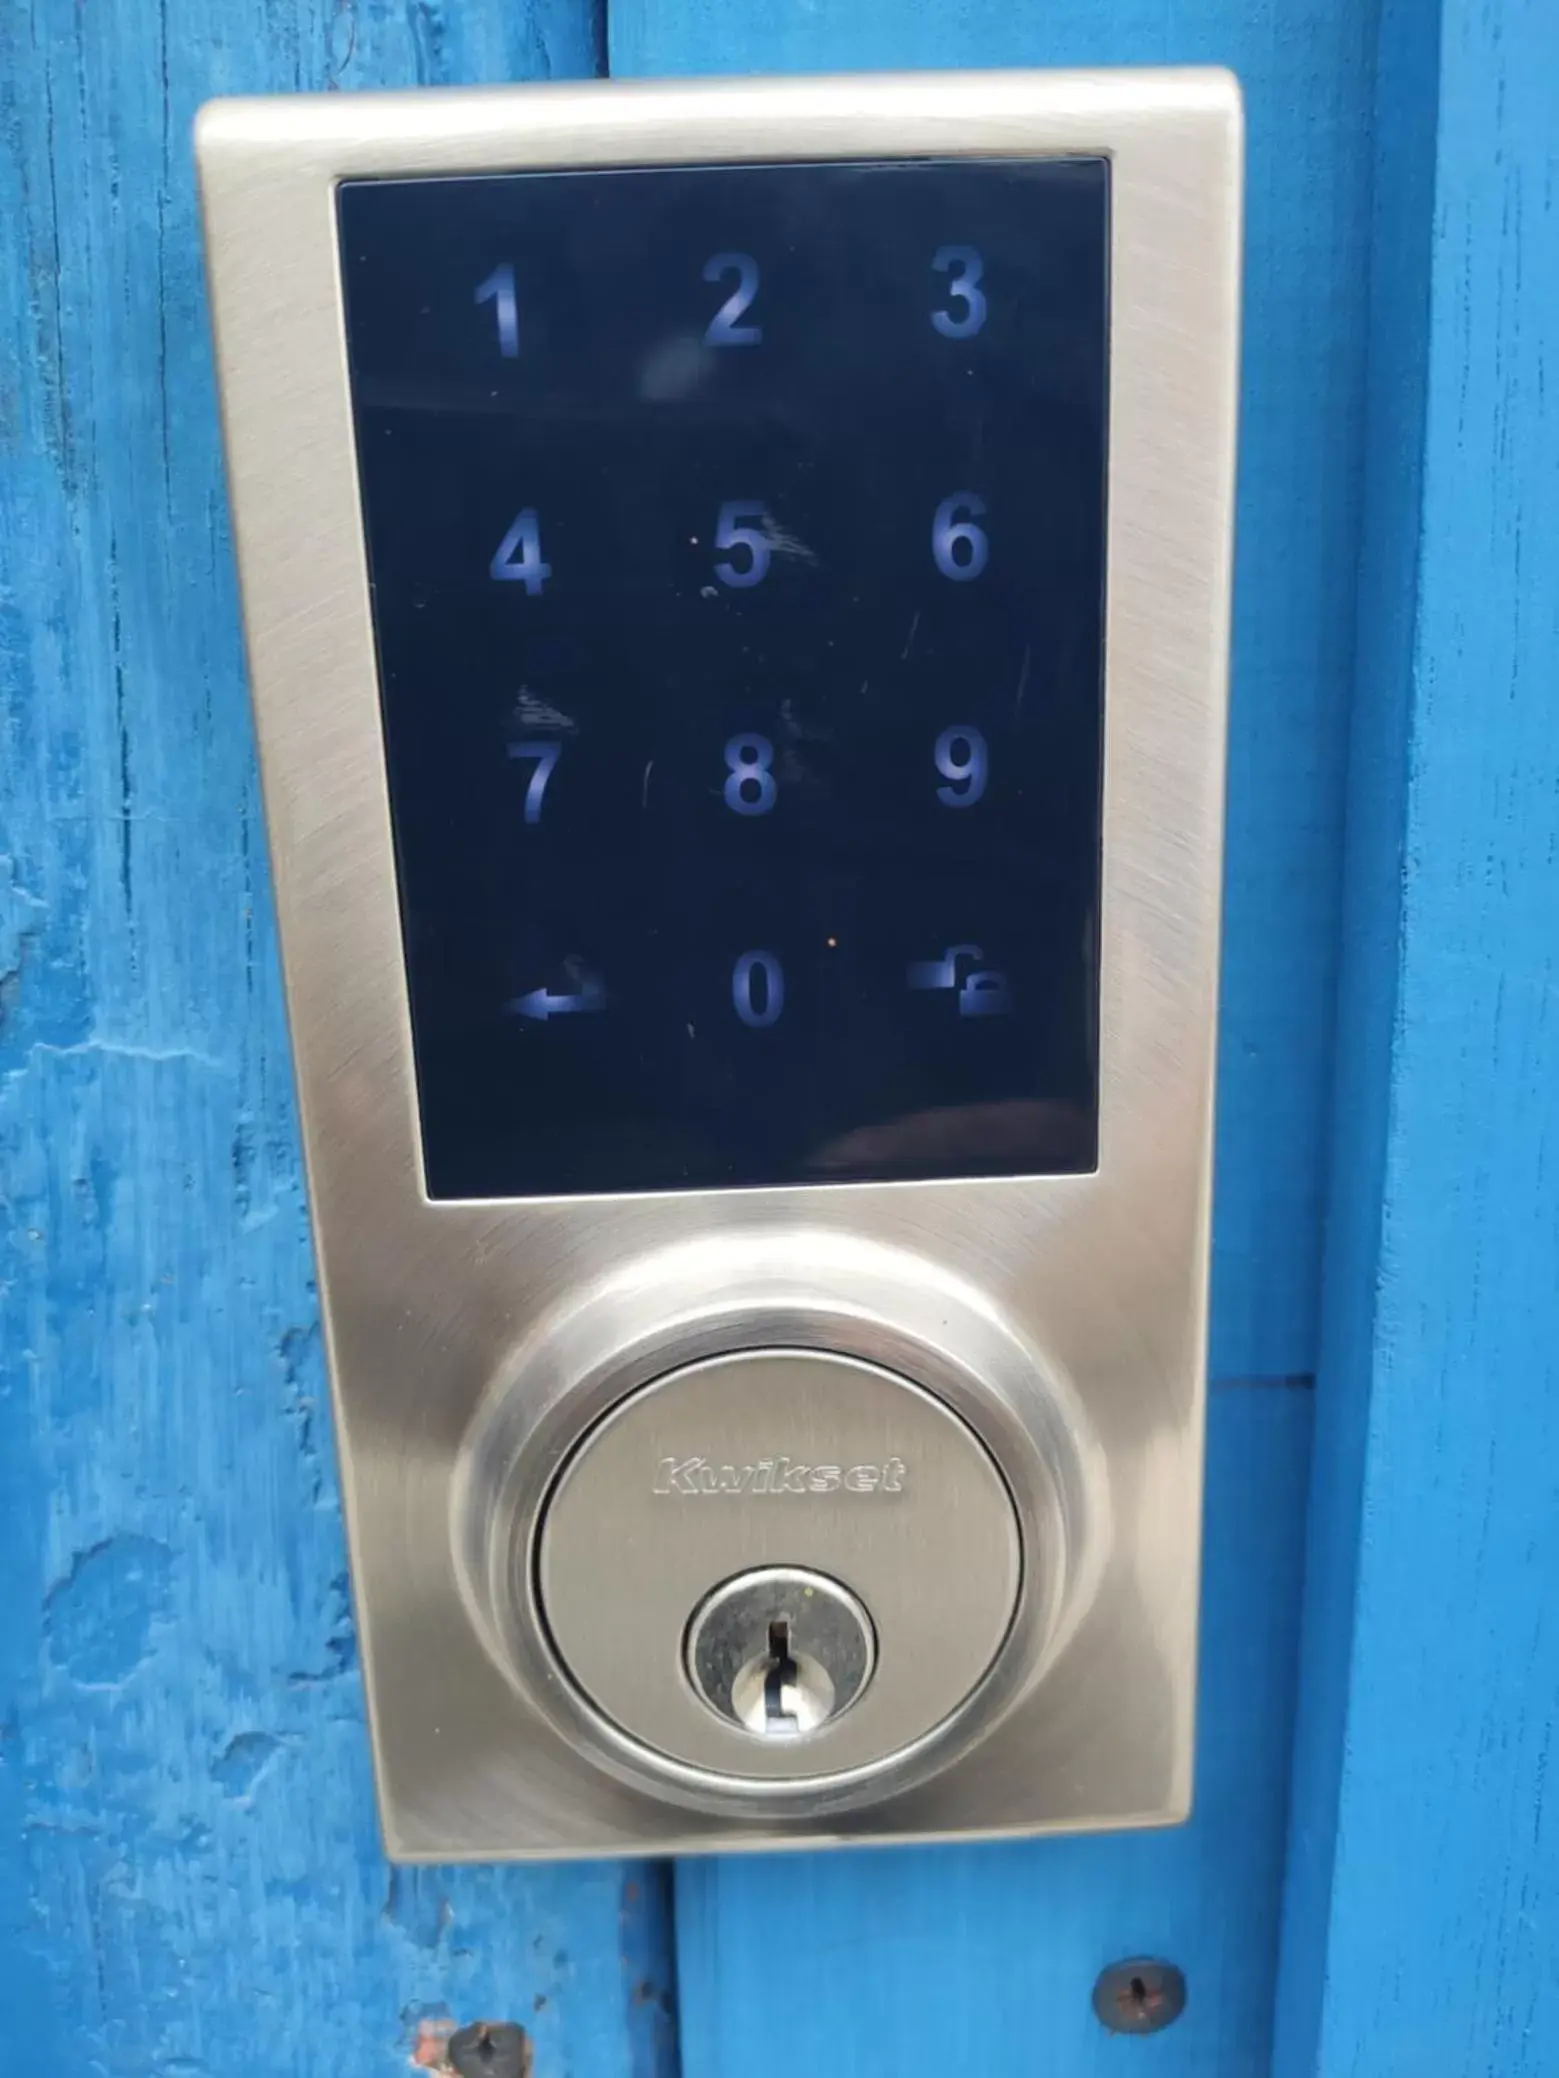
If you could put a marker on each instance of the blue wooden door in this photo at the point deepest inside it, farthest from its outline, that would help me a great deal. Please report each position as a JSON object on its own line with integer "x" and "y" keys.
{"x": 189, "y": 1878}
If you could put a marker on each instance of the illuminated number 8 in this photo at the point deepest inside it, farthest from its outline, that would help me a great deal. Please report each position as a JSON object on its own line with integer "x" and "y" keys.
{"x": 749, "y": 785}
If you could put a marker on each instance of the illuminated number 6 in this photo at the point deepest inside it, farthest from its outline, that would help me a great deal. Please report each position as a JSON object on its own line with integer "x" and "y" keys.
{"x": 766, "y": 1012}
{"x": 957, "y": 544}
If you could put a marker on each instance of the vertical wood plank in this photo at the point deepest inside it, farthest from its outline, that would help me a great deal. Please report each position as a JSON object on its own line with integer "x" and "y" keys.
{"x": 1307, "y": 67}
{"x": 982, "y": 1959}
{"x": 1422, "y": 1919}
{"x": 190, "y": 1882}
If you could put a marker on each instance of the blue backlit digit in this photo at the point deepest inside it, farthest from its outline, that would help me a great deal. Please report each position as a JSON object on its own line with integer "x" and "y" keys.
{"x": 498, "y": 289}
{"x": 965, "y": 270}
{"x": 517, "y": 558}
{"x": 734, "y": 528}
{"x": 749, "y": 777}
{"x": 723, "y": 328}
{"x": 958, "y": 546}
{"x": 963, "y": 760}
{"x": 546, "y": 756}
{"x": 762, "y": 1005}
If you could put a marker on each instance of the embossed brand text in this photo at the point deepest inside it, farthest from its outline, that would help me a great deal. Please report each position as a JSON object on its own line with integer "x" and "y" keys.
{"x": 778, "y": 1475}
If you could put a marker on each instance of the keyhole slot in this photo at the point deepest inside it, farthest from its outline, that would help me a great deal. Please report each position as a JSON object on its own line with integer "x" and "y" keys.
{"x": 779, "y": 1683}
{"x": 780, "y": 1651}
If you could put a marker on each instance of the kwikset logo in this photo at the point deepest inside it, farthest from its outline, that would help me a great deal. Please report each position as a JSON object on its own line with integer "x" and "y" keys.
{"x": 778, "y": 1475}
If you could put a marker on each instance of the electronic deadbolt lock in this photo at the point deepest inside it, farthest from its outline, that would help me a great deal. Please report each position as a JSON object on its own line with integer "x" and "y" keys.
{"x": 736, "y": 582}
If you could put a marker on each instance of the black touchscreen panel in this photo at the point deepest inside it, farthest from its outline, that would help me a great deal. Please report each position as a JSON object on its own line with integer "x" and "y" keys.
{"x": 736, "y": 539}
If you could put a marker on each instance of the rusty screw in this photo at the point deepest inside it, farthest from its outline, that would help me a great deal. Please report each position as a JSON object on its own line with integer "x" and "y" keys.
{"x": 490, "y": 2049}
{"x": 1139, "y": 1997}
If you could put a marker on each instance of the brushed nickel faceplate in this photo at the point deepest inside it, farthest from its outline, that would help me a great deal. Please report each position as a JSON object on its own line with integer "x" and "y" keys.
{"x": 1049, "y": 1328}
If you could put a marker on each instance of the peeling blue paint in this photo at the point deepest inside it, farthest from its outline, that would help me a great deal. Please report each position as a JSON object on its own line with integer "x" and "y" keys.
{"x": 190, "y": 1878}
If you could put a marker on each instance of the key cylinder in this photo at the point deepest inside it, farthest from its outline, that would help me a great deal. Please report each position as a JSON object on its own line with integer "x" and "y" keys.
{"x": 780, "y": 1651}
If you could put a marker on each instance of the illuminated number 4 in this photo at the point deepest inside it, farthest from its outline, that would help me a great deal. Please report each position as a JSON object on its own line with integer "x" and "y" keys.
{"x": 517, "y": 558}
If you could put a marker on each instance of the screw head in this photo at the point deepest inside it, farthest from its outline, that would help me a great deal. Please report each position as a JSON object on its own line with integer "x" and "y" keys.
{"x": 490, "y": 2049}
{"x": 1140, "y": 1996}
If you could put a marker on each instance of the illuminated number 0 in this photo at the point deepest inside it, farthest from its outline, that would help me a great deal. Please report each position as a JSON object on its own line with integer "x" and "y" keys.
{"x": 517, "y": 558}
{"x": 749, "y": 783}
{"x": 958, "y": 546}
{"x": 744, "y": 999}
{"x": 962, "y": 759}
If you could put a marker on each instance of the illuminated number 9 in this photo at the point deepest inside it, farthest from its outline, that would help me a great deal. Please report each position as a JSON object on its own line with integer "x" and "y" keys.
{"x": 958, "y": 545}
{"x": 965, "y": 270}
{"x": 961, "y": 758}
{"x": 749, "y": 761}
{"x": 752, "y": 1012}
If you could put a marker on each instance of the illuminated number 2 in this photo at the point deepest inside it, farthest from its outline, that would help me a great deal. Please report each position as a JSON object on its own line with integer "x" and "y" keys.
{"x": 517, "y": 558}
{"x": 498, "y": 289}
{"x": 963, "y": 760}
{"x": 762, "y": 1005}
{"x": 723, "y": 328}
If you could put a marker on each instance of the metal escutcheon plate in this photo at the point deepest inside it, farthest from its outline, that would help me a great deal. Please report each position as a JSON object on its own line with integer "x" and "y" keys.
{"x": 779, "y": 1458}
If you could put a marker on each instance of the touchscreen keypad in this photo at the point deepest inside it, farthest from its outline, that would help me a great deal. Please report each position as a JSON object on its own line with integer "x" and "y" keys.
{"x": 736, "y": 543}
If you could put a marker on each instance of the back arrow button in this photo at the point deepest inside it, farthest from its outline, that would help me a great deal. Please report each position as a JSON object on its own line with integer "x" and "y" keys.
{"x": 542, "y": 1003}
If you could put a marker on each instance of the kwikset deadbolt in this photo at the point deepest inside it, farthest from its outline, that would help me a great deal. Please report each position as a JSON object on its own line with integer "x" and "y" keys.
{"x": 741, "y": 686}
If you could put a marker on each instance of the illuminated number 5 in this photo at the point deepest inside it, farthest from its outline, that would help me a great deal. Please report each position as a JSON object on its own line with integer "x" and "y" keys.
{"x": 517, "y": 558}
{"x": 723, "y": 328}
{"x": 964, "y": 269}
{"x": 957, "y": 544}
{"x": 762, "y": 1006}
{"x": 734, "y": 529}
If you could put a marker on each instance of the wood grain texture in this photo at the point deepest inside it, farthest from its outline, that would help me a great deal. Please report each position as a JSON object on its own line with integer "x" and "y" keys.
{"x": 1425, "y": 1939}
{"x": 1306, "y": 66}
{"x": 190, "y": 1882}
{"x": 981, "y": 1960}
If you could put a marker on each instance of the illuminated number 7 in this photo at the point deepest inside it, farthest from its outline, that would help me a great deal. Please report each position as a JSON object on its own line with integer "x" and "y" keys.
{"x": 546, "y": 756}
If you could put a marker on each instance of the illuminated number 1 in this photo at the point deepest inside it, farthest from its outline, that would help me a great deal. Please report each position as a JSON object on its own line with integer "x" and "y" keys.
{"x": 498, "y": 289}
